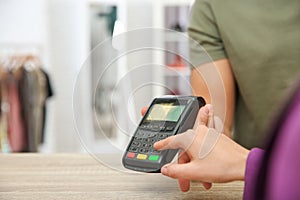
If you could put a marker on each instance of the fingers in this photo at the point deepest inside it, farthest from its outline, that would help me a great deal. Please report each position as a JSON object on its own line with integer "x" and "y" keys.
{"x": 183, "y": 157}
{"x": 168, "y": 143}
{"x": 211, "y": 121}
{"x": 207, "y": 118}
{"x": 203, "y": 114}
{"x": 180, "y": 141}
{"x": 178, "y": 171}
{"x": 202, "y": 118}
{"x": 206, "y": 185}
{"x": 209, "y": 142}
{"x": 182, "y": 173}
{"x": 184, "y": 184}
{"x": 144, "y": 110}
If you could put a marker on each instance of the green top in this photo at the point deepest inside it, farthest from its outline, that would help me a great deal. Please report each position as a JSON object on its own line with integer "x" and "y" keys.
{"x": 262, "y": 41}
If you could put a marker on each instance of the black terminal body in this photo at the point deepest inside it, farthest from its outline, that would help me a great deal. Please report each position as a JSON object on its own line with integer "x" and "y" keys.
{"x": 166, "y": 116}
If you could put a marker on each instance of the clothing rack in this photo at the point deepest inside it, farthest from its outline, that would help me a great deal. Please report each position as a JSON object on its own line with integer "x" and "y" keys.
{"x": 10, "y": 49}
{"x": 24, "y": 89}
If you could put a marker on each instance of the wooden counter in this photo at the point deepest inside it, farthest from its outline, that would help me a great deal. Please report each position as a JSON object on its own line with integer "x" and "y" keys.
{"x": 79, "y": 176}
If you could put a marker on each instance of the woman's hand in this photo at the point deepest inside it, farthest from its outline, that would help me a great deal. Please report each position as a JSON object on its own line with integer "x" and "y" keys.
{"x": 224, "y": 160}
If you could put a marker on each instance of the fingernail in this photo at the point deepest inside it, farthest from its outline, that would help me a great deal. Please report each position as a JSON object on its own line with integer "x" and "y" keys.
{"x": 155, "y": 145}
{"x": 209, "y": 106}
{"x": 206, "y": 110}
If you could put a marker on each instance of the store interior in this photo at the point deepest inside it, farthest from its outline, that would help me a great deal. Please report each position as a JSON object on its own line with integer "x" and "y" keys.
{"x": 83, "y": 104}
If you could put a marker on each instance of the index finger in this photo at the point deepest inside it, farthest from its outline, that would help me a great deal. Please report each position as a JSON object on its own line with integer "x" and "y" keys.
{"x": 180, "y": 141}
{"x": 165, "y": 143}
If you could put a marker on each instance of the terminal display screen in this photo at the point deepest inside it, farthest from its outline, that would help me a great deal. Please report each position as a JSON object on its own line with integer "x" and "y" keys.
{"x": 165, "y": 112}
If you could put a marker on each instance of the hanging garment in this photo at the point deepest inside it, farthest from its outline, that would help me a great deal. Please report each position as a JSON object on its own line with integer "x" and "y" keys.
{"x": 49, "y": 93}
{"x": 5, "y": 146}
{"x": 16, "y": 134}
{"x": 34, "y": 82}
{"x": 28, "y": 93}
{"x": 24, "y": 89}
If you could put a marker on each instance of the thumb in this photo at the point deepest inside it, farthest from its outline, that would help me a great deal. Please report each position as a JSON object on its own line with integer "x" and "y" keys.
{"x": 203, "y": 116}
{"x": 176, "y": 171}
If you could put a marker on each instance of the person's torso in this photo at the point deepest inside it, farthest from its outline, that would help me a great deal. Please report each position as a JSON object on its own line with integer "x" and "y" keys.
{"x": 262, "y": 41}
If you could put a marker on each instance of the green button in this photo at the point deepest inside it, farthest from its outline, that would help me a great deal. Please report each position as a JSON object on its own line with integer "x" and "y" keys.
{"x": 154, "y": 157}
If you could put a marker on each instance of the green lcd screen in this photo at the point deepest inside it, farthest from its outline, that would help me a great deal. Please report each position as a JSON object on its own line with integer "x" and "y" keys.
{"x": 165, "y": 112}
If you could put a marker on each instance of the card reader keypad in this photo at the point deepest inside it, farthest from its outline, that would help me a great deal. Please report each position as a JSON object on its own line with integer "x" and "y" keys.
{"x": 142, "y": 145}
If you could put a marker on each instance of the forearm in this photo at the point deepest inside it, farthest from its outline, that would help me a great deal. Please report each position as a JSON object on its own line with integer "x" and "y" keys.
{"x": 215, "y": 83}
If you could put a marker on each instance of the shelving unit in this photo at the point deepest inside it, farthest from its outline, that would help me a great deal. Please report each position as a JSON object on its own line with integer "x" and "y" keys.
{"x": 176, "y": 71}
{"x": 168, "y": 15}
{"x": 171, "y": 37}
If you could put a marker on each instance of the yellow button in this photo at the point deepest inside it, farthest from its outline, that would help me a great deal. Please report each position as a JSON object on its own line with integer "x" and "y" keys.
{"x": 141, "y": 156}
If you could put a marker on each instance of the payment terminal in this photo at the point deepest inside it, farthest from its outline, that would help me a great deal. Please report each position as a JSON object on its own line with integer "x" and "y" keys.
{"x": 166, "y": 116}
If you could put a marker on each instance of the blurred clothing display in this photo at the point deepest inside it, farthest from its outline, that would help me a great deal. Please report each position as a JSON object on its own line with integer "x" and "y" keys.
{"x": 25, "y": 88}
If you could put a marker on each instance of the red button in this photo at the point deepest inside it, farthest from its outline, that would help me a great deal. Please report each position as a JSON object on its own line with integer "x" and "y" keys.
{"x": 130, "y": 155}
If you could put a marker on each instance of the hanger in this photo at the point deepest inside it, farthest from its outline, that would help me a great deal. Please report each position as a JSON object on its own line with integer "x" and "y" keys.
{"x": 31, "y": 62}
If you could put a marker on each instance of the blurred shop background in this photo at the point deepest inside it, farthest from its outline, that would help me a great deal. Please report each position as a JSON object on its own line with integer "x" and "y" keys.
{"x": 43, "y": 46}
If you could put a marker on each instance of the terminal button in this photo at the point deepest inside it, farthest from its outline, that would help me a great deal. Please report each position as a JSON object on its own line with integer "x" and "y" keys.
{"x": 133, "y": 149}
{"x": 141, "y": 156}
{"x": 154, "y": 157}
{"x": 130, "y": 155}
{"x": 169, "y": 128}
{"x": 144, "y": 150}
{"x": 135, "y": 143}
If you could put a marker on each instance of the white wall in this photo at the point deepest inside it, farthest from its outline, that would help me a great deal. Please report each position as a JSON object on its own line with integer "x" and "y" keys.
{"x": 69, "y": 44}
{"x": 23, "y": 21}
{"x": 58, "y": 29}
